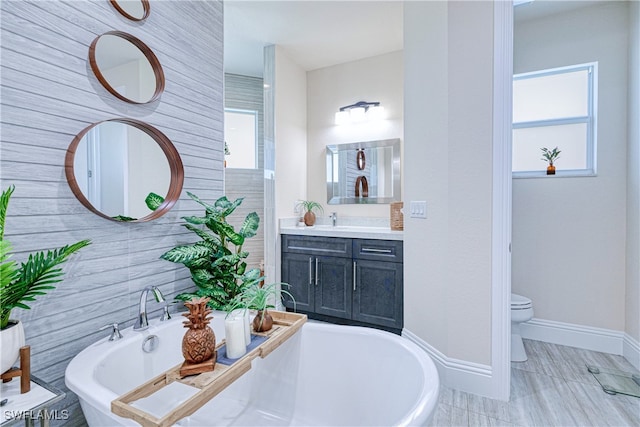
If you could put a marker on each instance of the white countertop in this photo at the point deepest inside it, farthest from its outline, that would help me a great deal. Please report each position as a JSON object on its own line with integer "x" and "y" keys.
{"x": 350, "y": 231}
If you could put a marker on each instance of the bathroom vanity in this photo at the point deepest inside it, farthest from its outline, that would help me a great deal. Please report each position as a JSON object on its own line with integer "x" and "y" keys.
{"x": 345, "y": 275}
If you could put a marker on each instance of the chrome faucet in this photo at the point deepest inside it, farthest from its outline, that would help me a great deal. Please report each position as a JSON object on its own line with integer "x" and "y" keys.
{"x": 142, "y": 322}
{"x": 334, "y": 218}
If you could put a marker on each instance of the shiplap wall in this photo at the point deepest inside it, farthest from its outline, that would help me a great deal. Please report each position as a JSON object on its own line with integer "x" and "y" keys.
{"x": 246, "y": 93}
{"x": 48, "y": 95}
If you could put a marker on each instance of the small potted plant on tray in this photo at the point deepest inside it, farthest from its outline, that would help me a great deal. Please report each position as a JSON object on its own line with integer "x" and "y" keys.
{"x": 261, "y": 298}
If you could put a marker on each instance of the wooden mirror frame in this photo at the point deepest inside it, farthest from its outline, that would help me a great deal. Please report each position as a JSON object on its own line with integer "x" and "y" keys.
{"x": 145, "y": 6}
{"x": 146, "y": 51}
{"x": 173, "y": 157}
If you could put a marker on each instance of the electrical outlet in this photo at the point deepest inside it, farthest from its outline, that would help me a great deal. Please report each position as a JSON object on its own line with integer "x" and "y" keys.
{"x": 418, "y": 209}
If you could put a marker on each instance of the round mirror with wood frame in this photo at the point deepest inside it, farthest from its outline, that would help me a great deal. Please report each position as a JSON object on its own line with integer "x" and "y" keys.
{"x": 126, "y": 67}
{"x": 135, "y": 10}
{"x": 115, "y": 166}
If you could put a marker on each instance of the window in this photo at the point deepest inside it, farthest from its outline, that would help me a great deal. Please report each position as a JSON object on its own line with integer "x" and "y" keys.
{"x": 241, "y": 138}
{"x": 555, "y": 108}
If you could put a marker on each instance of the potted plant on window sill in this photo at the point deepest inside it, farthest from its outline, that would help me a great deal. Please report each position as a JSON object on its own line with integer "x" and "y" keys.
{"x": 22, "y": 284}
{"x": 309, "y": 206}
{"x": 550, "y": 156}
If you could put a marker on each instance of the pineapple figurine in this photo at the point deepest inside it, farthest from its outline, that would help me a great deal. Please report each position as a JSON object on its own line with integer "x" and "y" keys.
{"x": 199, "y": 342}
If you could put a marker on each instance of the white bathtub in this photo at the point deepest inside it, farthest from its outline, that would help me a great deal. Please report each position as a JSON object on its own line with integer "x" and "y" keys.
{"x": 325, "y": 375}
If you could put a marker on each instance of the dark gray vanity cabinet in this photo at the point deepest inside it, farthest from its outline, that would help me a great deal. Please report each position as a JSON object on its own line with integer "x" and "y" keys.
{"x": 351, "y": 281}
{"x": 319, "y": 272}
{"x": 378, "y": 290}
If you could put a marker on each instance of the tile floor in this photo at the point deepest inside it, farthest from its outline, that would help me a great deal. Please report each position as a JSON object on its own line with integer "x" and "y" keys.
{"x": 552, "y": 388}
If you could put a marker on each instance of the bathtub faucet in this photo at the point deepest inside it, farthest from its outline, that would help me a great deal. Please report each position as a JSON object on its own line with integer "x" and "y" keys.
{"x": 142, "y": 322}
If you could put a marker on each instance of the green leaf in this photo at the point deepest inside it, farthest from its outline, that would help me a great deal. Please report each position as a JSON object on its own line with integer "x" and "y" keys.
{"x": 153, "y": 201}
{"x": 201, "y": 276}
{"x": 124, "y": 218}
{"x": 196, "y": 220}
{"x": 186, "y": 253}
{"x": 204, "y": 234}
{"x": 226, "y": 208}
{"x": 226, "y": 230}
{"x": 4, "y": 204}
{"x": 196, "y": 199}
{"x": 250, "y": 225}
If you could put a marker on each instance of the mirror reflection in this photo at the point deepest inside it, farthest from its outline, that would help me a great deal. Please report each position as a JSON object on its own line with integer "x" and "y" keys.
{"x": 116, "y": 167}
{"x": 363, "y": 172}
{"x": 126, "y": 67}
{"x": 136, "y": 10}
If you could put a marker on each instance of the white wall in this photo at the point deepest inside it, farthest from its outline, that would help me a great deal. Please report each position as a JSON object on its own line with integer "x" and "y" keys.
{"x": 448, "y": 73}
{"x": 372, "y": 79}
{"x": 569, "y": 233}
{"x": 632, "y": 297}
{"x": 290, "y": 133}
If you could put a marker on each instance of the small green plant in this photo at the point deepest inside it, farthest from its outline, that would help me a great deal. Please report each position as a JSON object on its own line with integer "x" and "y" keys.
{"x": 217, "y": 262}
{"x": 309, "y": 206}
{"x": 550, "y": 155}
{"x": 260, "y": 298}
{"x": 22, "y": 284}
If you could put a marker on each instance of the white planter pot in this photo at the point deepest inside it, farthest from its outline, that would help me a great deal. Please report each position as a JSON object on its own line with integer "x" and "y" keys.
{"x": 11, "y": 338}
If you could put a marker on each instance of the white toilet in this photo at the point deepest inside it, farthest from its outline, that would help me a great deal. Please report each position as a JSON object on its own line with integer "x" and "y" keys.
{"x": 521, "y": 311}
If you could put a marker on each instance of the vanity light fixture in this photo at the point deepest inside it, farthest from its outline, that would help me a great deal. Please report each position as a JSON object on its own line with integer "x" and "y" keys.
{"x": 359, "y": 112}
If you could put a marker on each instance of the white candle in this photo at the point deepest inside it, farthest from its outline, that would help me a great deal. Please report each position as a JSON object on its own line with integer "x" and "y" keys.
{"x": 234, "y": 336}
{"x": 247, "y": 327}
{"x": 244, "y": 314}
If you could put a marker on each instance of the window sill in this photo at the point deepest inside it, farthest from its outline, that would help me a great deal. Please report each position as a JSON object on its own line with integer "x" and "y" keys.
{"x": 558, "y": 174}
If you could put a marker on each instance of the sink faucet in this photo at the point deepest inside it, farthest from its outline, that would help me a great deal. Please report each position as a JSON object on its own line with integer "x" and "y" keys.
{"x": 142, "y": 322}
{"x": 334, "y": 218}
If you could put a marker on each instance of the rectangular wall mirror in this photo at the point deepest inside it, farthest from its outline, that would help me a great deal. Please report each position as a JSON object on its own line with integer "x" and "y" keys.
{"x": 363, "y": 172}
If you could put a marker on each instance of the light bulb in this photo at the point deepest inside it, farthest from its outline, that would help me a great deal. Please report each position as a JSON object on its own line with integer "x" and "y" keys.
{"x": 357, "y": 114}
{"x": 375, "y": 113}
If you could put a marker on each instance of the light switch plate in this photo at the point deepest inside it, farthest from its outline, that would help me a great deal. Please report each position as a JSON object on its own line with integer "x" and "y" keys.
{"x": 418, "y": 209}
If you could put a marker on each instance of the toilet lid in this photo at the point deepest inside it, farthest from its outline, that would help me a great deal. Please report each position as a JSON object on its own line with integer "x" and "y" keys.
{"x": 518, "y": 301}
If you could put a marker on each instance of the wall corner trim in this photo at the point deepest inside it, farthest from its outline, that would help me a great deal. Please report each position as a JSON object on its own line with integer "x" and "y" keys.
{"x": 458, "y": 374}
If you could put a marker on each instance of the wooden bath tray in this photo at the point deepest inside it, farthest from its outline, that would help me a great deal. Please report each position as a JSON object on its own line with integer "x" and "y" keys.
{"x": 209, "y": 383}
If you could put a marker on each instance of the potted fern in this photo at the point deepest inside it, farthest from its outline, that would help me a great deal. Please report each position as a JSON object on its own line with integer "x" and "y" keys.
{"x": 21, "y": 284}
{"x": 217, "y": 261}
{"x": 309, "y": 206}
{"x": 550, "y": 156}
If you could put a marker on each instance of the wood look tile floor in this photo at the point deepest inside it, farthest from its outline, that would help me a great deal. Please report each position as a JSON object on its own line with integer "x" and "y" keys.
{"x": 552, "y": 388}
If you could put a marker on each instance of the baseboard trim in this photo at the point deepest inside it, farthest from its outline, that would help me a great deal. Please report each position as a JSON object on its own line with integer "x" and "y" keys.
{"x": 631, "y": 350}
{"x": 585, "y": 337}
{"x": 478, "y": 378}
{"x": 461, "y": 375}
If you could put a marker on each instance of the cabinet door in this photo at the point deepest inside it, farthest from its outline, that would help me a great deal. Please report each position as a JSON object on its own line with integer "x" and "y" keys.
{"x": 377, "y": 297}
{"x": 334, "y": 286}
{"x": 297, "y": 271}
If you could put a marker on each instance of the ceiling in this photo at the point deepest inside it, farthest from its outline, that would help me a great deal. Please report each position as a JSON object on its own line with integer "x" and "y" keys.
{"x": 314, "y": 34}
{"x": 321, "y": 33}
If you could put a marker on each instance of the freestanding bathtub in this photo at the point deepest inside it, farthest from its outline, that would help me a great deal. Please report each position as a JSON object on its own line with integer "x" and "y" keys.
{"x": 325, "y": 375}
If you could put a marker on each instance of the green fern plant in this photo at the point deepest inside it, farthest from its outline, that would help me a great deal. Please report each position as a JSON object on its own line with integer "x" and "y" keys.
{"x": 23, "y": 283}
{"x": 217, "y": 262}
